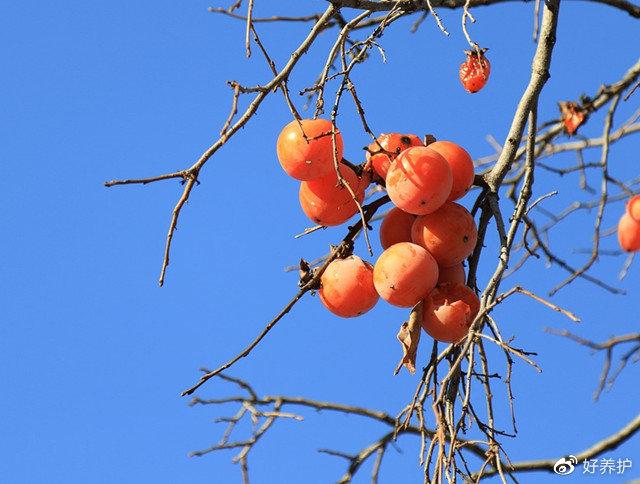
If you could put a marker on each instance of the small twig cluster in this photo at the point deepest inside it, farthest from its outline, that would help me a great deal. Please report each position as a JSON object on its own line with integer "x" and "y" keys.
{"x": 630, "y": 343}
{"x": 265, "y": 411}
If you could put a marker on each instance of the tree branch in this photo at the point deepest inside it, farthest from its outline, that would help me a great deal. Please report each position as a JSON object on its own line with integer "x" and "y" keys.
{"x": 414, "y": 6}
{"x": 609, "y": 443}
{"x": 191, "y": 174}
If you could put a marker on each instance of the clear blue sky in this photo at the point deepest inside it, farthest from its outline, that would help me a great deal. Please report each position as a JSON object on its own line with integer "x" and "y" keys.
{"x": 93, "y": 355}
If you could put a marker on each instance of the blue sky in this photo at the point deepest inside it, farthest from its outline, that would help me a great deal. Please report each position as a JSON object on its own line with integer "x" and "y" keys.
{"x": 93, "y": 355}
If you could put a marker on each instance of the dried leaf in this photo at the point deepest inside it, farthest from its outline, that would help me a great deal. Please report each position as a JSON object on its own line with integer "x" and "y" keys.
{"x": 409, "y": 337}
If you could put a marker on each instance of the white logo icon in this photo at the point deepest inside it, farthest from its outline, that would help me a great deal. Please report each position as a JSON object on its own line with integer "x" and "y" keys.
{"x": 565, "y": 465}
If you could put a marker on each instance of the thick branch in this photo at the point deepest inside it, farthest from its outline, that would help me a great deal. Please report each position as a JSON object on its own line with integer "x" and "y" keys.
{"x": 611, "y": 442}
{"x": 539, "y": 76}
{"x": 413, "y": 6}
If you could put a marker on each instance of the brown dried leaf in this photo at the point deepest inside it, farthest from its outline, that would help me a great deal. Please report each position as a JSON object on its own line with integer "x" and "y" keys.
{"x": 409, "y": 337}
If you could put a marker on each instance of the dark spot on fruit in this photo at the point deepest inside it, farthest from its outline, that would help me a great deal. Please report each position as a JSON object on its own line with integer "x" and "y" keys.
{"x": 465, "y": 239}
{"x": 405, "y": 140}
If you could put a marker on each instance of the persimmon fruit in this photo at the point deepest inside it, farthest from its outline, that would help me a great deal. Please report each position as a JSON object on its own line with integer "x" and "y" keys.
{"x": 311, "y": 157}
{"x": 396, "y": 227}
{"x": 387, "y": 147}
{"x": 448, "y": 312}
{"x": 347, "y": 288}
{"x": 453, "y": 274}
{"x": 633, "y": 208}
{"x": 404, "y": 274}
{"x": 419, "y": 180}
{"x": 474, "y": 71}
{"x": 461, "y": 166}
{"x": 449, "y": 233}
{"x": 328, "y": 203}
{"x": 629, "y": 233}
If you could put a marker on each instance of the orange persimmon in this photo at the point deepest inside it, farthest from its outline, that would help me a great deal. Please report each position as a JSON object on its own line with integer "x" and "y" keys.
{"x": 347, "y": 288}
{"x": 419, "y": 180}
{"x": 629, "y": 233}
{"x": 461, "y": 167}
{"x": 633, "y": 208}
{"x": 396, "y": 227}
{"x": 449, "y": 233}
{"x": 387, "y": 147}
{"x": 453, "y": 274}
{"x": 449, "y": 311}
{"x": 404, "y": 274}
{"x": 311, "y": 157}
{"x": 326, "y": 202}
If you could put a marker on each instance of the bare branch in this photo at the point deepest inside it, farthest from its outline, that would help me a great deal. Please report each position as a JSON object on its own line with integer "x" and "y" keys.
{"x": 539, "y": 76}
{"x": 144, "y": 181}
{"x": 191, "y": 174}
{"x": 608, "y": 443}
{"x": 608, "y": 347}
{"x": 521, "y": 290}
{"x": 411, "y": 5}
{"x": 191, "y": 180}
{"x": 275, "y": 18}
{"x": 603, "y": 200}
{"x": 247, "y": 38}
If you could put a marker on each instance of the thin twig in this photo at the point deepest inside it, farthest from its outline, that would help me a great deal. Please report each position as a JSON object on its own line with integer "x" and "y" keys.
{"x": 339, "y": 251}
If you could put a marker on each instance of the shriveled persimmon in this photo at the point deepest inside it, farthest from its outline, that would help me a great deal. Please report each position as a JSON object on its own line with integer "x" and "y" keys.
{"x": 453, "y": 274}
{"x": 449, "y": 233}
{"x": 572, "y": 116}
{"x": 633, "y": 208}
{"x": 326, "y": 202}
{"x": 448, "y": 312}
{"x": 461, "y": 166}
{"x": 419, "y": 180}
{"x": 387, "y": 147}
{"x": 396, "y": 227}
{"x": 629, "y": 233}
{"x": 308, "y": 153}
{"x": 474, "y": 71}
{"x": 404, "y": 274}
{"x": 347, "y": 288}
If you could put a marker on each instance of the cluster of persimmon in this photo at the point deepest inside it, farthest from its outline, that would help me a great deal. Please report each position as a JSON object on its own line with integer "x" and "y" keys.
{"x": 629, "y": 226}
{"x": 425, "y": 237}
